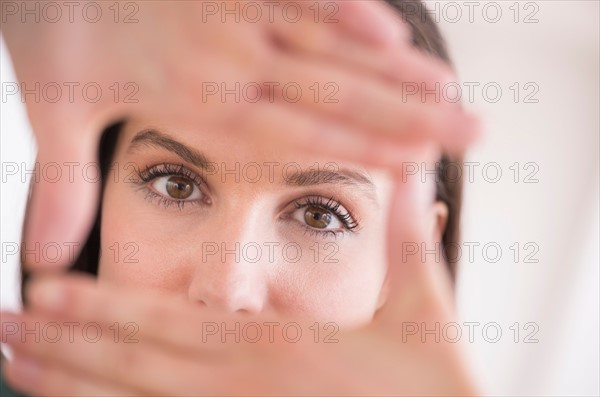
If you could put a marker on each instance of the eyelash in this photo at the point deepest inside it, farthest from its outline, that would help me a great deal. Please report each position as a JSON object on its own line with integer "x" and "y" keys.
{"x": 153, "y": 172}
{"x": 347, "y": 219}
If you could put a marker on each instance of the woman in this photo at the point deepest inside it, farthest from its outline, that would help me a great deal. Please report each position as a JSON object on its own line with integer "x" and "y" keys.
{"x": 240, "y": 227}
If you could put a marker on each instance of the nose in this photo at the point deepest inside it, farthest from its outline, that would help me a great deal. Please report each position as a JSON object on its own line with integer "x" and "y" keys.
{"x": 231, "y": 271}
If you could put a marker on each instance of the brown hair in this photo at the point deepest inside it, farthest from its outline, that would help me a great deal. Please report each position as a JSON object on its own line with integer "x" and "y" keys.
{"x": 426, "y": 37}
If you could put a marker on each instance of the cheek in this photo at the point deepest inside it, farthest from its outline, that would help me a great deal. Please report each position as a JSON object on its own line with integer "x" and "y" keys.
{"x": 337, "y": 282}
{"x": 137, "y": 248}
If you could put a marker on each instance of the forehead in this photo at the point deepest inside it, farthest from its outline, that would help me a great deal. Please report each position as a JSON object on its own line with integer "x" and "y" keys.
{"x": 225, "y": 147}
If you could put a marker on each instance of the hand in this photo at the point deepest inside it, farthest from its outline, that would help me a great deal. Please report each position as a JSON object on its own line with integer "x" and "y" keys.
{"x": 171, "y": 53}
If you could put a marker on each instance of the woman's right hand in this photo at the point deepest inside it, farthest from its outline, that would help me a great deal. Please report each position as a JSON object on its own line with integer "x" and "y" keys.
{"x": 177, "y": 53}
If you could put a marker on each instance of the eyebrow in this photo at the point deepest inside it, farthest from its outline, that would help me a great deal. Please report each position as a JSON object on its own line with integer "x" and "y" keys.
{"x": 157, "y": 139}
{"x": 311, "y": 177}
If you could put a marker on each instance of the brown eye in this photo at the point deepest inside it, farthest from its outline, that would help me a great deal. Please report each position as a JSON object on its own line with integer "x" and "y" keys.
{"x": 318, "y": 218}
{"x": 179, "y": 188}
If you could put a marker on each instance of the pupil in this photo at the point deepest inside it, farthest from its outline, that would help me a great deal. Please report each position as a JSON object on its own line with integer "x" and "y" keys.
{"x": 179, "y": 187}
{"x": 317, "y": 217}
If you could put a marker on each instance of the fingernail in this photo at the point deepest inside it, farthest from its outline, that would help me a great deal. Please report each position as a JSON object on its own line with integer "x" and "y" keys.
{"x": 46, "y": 293}
{"x": 387, "y": 30}
{"x": 380, "y": 23}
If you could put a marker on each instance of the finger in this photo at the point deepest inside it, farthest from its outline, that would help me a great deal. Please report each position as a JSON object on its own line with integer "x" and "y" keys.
{"x": 420, "y": 301}
{"x": 36, "y": 378}
{"x": 79, "y": 298}
{"x": 374, "y": 108}
{"x": 64, "y": 194}
{"x": 419, "y": 283}
{"x": 280, "y": 123}
{"x": 103, "y": 357}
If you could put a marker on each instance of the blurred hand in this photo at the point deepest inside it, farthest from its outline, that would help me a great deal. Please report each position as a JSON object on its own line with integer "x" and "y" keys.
{"x": 168, "y": 63}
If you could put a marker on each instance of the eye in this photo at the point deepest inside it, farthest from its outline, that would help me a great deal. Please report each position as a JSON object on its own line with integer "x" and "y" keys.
{"x": 323, "y": 216}
{"x": 176, "y": 187}
{"x": 172, "y": 184}
{"x": 317, "y": 217}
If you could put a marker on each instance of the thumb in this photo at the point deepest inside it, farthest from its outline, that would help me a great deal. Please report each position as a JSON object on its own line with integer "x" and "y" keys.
{"x": 63, "y": 195}
{"x": 418, "y": 279}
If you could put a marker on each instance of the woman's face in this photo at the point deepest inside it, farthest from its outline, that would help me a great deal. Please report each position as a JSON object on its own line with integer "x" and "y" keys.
{"x": 236, "y": 225}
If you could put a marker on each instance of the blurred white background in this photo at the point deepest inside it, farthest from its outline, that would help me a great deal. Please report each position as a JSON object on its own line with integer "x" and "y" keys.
{"x": 549, "y": 125}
